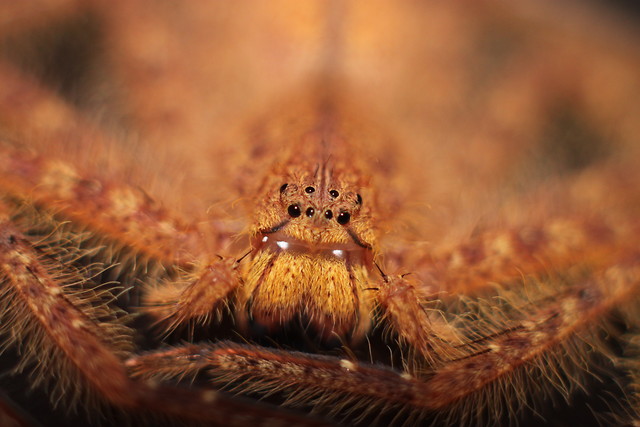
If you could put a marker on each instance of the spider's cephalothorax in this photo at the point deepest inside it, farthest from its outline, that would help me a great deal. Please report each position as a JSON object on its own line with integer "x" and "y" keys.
{"x": 442, "y": 199}
{"x": 314, "y": 243}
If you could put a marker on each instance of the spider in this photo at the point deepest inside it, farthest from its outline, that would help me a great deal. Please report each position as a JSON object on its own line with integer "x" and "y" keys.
{"x": 318, "y": 214}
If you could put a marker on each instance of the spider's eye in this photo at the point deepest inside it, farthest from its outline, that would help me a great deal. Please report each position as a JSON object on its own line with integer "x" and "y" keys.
{"x": 294, "y": 211}
{"x": 343, "y": 218}
{"x": 284, "y": 187}
{"x": 334, "y": 193}
{"x": 358, "y": 199}
{"x": 310, "y": 212}
{"x": 309, "y": 190}
{"x": 328, "y": 214}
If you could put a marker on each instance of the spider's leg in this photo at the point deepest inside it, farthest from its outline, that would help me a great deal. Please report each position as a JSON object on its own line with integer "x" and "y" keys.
{"x": 196, "y": 295}
{"x": 504, "y": 256}
{"x": 543, "y": 351}
{"x": 414, "y": 310}
{"x": 336, "y": 385}
{"x": 425, "y": 328}
{"x": 584, "y": 221}
{"x": 55, "y": 330}
{"x": 121, "y": 214}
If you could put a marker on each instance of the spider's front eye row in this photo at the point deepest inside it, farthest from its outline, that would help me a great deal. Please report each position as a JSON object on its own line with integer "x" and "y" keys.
{"x": 294, "y": 211}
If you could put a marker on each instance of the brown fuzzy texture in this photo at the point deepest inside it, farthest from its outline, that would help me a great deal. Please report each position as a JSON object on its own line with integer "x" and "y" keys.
{"x": 447, "y": 190}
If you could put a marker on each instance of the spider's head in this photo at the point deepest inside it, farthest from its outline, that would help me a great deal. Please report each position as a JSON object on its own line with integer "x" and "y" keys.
{"x": 313, "y": 249}
{"x": 320, "y": 214}
{"x": 316, "y": 219}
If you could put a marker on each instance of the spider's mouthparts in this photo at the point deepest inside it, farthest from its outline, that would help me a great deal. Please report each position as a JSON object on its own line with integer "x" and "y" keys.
{"x": 279, "y": 242}
{"x": 319, "y": 283}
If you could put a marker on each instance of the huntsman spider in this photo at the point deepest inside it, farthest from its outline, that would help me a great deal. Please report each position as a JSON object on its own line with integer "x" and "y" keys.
{"x": 319, "y": 213}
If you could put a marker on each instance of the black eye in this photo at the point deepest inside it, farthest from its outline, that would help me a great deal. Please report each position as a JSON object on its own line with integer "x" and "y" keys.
{"x": 310, "y": 212}
{"x": 328, "y": 214}
{"x": 334, "y": 193}
{"x": 358, "y": 199}
{"x": 309, "y": 190}
{"x": 284, "y": 187}
{"x": 343, "y": 218}
{"x": 294, "y": 211}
